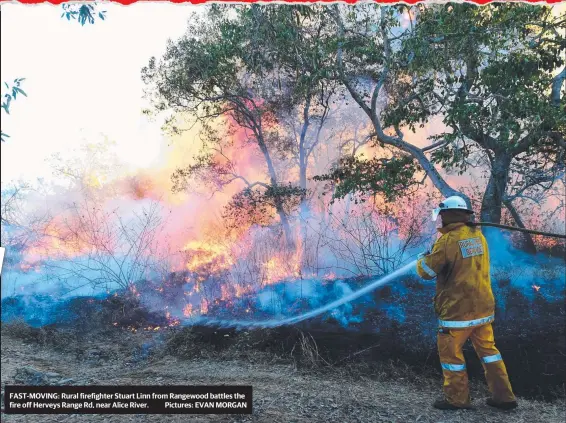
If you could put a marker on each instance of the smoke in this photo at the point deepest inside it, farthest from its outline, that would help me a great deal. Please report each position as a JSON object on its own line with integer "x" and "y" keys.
{"x": 533, "y": 276}
{"x": 332, "y": 306}
{"x": 104, "y": 228}
{"x": 42, "y": 300}
{"x": 285, "y": 300}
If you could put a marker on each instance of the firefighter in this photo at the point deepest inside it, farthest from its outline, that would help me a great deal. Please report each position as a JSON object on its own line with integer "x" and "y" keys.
{"x": 465, "y": 306}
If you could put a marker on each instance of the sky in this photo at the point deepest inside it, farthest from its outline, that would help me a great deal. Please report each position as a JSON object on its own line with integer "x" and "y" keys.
{"x": 82, "y": 82}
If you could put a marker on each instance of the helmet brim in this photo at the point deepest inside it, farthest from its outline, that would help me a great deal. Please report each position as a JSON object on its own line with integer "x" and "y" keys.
{"x": 456, "y": 209}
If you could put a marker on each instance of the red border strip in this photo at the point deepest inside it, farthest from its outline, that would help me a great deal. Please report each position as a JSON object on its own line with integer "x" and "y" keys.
{"x": 128, "y": 2}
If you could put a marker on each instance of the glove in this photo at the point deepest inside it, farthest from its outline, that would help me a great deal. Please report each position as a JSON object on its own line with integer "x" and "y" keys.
{"x": 424, "y": 253}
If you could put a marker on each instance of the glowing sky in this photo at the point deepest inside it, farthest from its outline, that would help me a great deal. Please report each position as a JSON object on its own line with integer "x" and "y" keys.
{"x": 82, "y": 82}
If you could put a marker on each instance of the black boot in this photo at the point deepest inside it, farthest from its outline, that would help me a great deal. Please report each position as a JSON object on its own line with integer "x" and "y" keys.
{"x": 501, "y": 405}
{"x": 442, "y": 404}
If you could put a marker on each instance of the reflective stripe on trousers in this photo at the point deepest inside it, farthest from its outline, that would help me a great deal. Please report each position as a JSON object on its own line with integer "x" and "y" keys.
{"x": 465, "y": 323}
{"x": 491, "y": 358}
{"x": 453, "y": 367}
{"x": 450, "y": 343}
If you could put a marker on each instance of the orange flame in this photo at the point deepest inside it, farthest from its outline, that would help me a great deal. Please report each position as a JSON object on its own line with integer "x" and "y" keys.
{"x": 202, "y": 253}
{"x": 188, "y": 310}
{"x": 203, "y": 306}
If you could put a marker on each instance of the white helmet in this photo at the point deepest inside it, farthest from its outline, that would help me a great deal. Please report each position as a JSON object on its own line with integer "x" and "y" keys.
{"x": 451, "y": 203}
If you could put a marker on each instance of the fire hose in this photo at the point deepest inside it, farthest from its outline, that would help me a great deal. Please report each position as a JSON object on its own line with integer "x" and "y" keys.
{"x": 348, "y": 298}
{"x": 514, "y": 228}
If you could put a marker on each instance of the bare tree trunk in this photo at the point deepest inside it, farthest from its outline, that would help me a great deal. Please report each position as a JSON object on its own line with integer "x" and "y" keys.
{"x": 278, "y": 203}
{"x": 557, "y": 82}
{"x": 493, "y": 196}
{"x": 303, "y": 163}
{"x": 304, "y": 208}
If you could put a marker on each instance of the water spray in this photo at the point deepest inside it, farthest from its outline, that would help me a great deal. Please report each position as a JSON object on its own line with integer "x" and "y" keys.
{"x": 240, "y": 324}
{"x": 296, "y": 319}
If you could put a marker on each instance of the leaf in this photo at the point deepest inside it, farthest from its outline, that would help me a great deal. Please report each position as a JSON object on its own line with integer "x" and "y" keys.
{"x": 21, "y": 91}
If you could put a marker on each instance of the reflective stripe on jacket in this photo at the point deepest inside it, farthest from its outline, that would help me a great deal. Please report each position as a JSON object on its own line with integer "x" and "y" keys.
{"x": 460, "y": 263}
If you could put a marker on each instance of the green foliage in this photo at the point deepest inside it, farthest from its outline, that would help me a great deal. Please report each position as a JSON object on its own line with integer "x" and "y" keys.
{"x": 391, "y": 178}
{"x": 85, "y": 13}
{"x": 244, "y": 68}
{"x": 488, "y": 71}
{"x": 245, "y": 61}
{"x": 13, "y": 90}
{"x": 257, "y": 206}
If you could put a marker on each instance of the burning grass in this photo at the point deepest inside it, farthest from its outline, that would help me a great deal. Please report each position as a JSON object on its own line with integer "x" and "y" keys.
{"x": 394, "y": 331}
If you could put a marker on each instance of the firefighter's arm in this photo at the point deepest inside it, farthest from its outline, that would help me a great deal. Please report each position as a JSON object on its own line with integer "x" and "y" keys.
{"x": 431, "y": 264}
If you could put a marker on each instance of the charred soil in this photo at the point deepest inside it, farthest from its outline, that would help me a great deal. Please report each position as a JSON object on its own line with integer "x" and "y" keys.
{"x": 380, "y": 367}
{"x": 297, "y": 375}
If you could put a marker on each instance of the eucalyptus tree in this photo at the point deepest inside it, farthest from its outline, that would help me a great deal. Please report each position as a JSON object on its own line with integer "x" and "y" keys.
{"x": 263, "y": 71}
{"x": 495, "y": 76}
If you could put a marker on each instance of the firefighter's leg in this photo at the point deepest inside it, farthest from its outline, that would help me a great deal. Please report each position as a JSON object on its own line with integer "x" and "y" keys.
{"x": 495, "y": 371}
{"x": 450, "y": 342}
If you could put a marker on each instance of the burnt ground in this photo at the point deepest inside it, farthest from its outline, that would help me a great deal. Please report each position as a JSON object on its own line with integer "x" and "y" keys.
{"x": 294, "y": 378}
{"x": 381, "y": 367}
{"x": 396, "y": 323}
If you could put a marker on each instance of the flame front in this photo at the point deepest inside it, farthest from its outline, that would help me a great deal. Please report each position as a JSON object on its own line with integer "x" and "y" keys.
{"x": 126, "y": 229}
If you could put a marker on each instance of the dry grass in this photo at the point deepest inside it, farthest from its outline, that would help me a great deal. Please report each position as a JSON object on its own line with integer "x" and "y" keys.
{"x": 44, "y": 336}
{"x": 308, "y": 352}
{"x": 314, "y": 391}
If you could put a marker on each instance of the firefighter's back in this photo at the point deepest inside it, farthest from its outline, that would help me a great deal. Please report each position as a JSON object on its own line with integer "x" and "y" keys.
{"x": 464, "y": 287}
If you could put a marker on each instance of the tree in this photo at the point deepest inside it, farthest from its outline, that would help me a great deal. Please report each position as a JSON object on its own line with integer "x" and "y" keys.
{"x": 367, "y": 40}
{"x": 253, "y": 79}
{"x": 487, "y": 71}
{"x": 296, "y": 58}
{"x": 504, "y": 102}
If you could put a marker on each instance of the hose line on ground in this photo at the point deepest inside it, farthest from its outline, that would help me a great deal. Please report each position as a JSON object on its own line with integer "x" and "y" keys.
{"x": 514, "y": 228}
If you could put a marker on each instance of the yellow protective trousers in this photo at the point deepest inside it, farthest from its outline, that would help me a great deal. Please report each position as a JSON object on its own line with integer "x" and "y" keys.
{"x": 450, "y": 343}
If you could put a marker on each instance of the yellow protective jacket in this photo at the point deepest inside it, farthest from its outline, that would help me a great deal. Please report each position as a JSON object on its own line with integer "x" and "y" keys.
{"x": 460, "y": 263}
